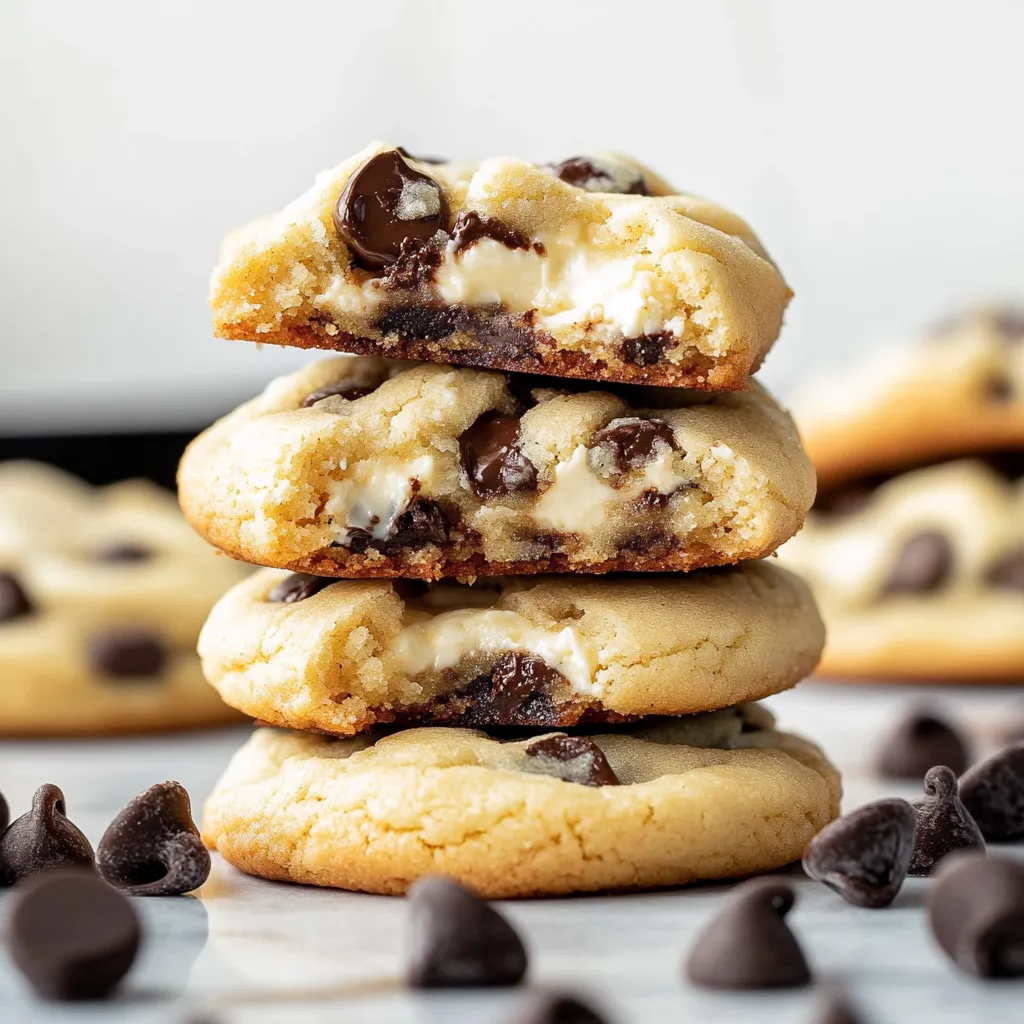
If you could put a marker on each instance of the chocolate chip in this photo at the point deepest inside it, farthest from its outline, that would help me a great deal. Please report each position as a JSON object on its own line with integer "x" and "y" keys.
{"x": 297, "y": 587}
{"x": 127, "y": 653}
{"x": 630, "y": 442}
{"x": 124, "y": 551}
{"x": 417, "y": 265}
{"x": 72, "y": 936}
{"x": 152, "y": 847}
{"x": 573, "y": 759}
{"x": 349, "y": 388}
{"x": 918, "y": 742}
{"x": 419, "y": 322}
{"x": 14, "y": 602}
{"x": 993, "y": 793}
{"x": 1008, "y": 572}
{"x": 647, "y": 349}
{"x": 492, "y": 459}
{"x": 598, "y": 174}
{"x": 509, "y": 692}
{"x": 748, "y": 945}
{"x": 553, "y": 1008}
{"x": 385, "y": 202}
{"x": 943, "y": 823}
{"x": 470, "y": 228}
{"x": 42, "y": 839}
{"x": 976, "y": 912}
{"x": 836, "y": 1008}
{"x": 923, "y": 564}
{"x": 865, "y": 855}
{"x": 423, "y": 522}
{"x": 459, "y": 941}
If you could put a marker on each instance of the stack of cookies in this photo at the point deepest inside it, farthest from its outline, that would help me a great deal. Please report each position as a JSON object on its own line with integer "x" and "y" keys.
{"x": 515, "y": 614}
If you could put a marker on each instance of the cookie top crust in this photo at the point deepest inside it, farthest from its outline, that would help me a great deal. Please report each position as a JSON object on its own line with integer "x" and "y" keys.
{"x": 591, "y": 268}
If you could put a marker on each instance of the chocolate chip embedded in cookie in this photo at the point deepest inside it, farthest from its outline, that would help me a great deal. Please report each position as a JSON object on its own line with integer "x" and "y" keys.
{"x": 574, "y": 759}
{"x": 127, "y": 653}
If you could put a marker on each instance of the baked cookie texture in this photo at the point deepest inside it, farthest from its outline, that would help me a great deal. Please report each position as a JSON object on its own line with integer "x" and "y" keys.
{"x": 713, "y": 796}
{"x": 102, "y": 595}
{"x": 922, "y": 577}
{"x": 588, "y": 269}
{"x": 366, "y": 467}
{"x": 954, "y": 393}
{"x": 523, "y": 651}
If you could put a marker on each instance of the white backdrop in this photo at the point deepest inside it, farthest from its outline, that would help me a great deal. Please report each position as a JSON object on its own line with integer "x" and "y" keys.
{"x": 877, "y": 148}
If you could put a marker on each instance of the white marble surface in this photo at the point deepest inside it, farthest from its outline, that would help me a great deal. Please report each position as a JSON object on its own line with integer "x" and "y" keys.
{"x": 248, "y": 950}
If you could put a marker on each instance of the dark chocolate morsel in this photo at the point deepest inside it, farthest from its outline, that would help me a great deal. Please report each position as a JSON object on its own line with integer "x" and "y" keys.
{"x": 596, "y": 174}
{"x": 835, "y": 1008}
{"x": 748, "y": 945}
{"x": 128, "y": 652}
{"x": 350, "y": 389}
{"x": 1008, "y": 572}
{"x": 492, "y": 459}
{"x": 71, "y": 935}
{"x": 646, "y": 349}
{"x": 42, "y": 839}
{"x": 14, "y": 602}
{"x": 555, "y": 1008}
{"x": 944, "y": 825}
{"x": 976, "y": 913}
{"x": 923, "y": 564}
{"x": 420, "y": 322}
{"x": 920, "y": 741}
{"x": 573, "y": 759}
{"x": 993, "y": 793}
{"x": 297, "y": 587}
{"x": 865, "y": 855}
{"x": 152, "y": 847}
{"x": 457, "y": 940}
{"x": 124, "y": 551}
{"x": 470, "y": 228}
{"x": 385, "y": 202}
{"x": 423, "y": 522}
{"x": 632, "y": 441}
{"x": 516, "y": 690}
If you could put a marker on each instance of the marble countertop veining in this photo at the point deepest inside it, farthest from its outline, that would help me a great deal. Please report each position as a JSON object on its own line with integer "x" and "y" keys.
{"x": 254, "y": 951}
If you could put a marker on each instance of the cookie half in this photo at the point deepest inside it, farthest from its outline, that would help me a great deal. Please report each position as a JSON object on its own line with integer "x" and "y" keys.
{"x": 363, "y": 467}
{"x": 663, "y": 803}
{"x": 340, "y": 656}
{"x": 576, "y": 270}
{"x": 102, "y": 595}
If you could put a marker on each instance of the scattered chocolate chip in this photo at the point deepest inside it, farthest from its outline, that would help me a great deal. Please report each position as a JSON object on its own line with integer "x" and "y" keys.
{"x": 923, "y": 564}
{"x": 71, "y": 935}
{"x": 920, "y": 741}
{"x": 554, "y": 1008}
{"x": 976, "y": 912}
{"x": 598, "y": 174}
{"x": 152, "y": 847}
{"x": 631, "y": 442}
{"x": 423, "y": 522}
{"x": 943, "y": 823}
{"x": 385, "y": 202}
{"x": 470, "y": 228}
{"x": 125, "y": 551}
{"x": 835, "y": 1008}
{"x": 14, "y": 602}
{"x": 297, "y": 587}
{"x": 748, "y": 945}
{"x": 647, "y": 349}
{"x": 573, "y": 759}
{"x": 993, "y": 793}
{"x": 419, "y": 322}
{"x": 492, "y": 459}
{"x": 459, "y": 941}
{"x": 127, "y": 653}
{"x": 349, "y": 388}
{"x": 1008, "y": 572}
{"x": 42, "y": 839}
{"x": 865, "y": 855}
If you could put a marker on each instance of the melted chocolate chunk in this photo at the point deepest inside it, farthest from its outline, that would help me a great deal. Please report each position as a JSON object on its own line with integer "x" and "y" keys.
{"x": 416, "y": 265}
{"x": 573, "y": 759}
{"x": 600, "y": 175}
{"x": 1008, "y": 572}
{"x": 470, "y": 228}
{"x": 72, "y": 936}
{"x": 492, "y": 459}
{"x": 918, "y": 742}
{"x": 42, "y": 839}
{"x": 385, "y": 202}
{"x": 923, "y": 564}
{"x": 516, "y": 691}
{"x": 749, "y": 945}
{"x": 124, "y": 551}
{"x": 127, "y": 653}
{"x": 647, "y": 349}
{"x": 423, "y": 522}
{"x": 419, "y": 322}
{"x": 633, "y": 442}
{"x": 14, "y": 602}
{"x": 350, "y": 389}
{"x": 993, "y": 793}
{"x": 459, "y": 941}
{"x": 944, "y": 825}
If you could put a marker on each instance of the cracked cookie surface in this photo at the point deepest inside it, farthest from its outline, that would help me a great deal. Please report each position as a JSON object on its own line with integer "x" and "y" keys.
{"x": 338, "y": 656}
{"x": 364, "y": 467}
{"x": 719, "y": 795}
{"x": 508, "y": 265}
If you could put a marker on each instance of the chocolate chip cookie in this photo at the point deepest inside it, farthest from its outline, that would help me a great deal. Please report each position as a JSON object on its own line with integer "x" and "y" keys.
{"x": 364, "y": 467}
{"x": 585, "y": 268}
{"x": 665, "y": 802}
